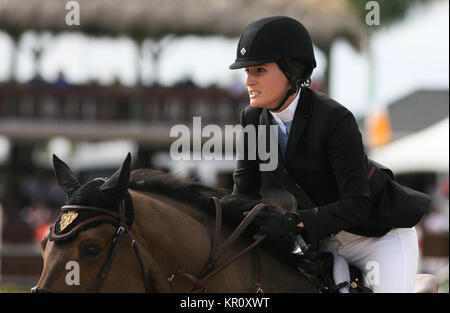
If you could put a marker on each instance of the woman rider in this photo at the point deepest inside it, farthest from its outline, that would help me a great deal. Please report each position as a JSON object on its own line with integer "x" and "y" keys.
{"x": 357, "y": 212}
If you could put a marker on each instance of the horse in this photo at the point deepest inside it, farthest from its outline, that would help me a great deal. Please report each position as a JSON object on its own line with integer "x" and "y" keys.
{"x": 148, "y": 231}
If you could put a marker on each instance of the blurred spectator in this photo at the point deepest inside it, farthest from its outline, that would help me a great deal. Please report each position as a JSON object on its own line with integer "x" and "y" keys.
{"x": 36, "y": 214}
{"x": 186, "y": 82}
{"x": 37, "y": 80}
{"x": 38, "y": 217}
{"x": 29, "y": 208}
{"x": 61, "y": 82}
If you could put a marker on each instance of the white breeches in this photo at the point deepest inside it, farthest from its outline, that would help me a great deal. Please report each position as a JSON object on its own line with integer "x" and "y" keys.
{"x": 389, "y": 263}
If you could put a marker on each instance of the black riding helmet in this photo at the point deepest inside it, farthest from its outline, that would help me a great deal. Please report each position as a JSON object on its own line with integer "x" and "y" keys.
{"x": 277, "y": 38}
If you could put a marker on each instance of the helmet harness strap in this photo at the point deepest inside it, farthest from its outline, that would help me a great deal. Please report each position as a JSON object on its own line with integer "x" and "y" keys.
{"x": 295, "y": 84}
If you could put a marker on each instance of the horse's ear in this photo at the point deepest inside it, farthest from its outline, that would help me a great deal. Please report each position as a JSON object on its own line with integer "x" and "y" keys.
{"x": 64, "y": 176}
{"x": 117, "y": 185}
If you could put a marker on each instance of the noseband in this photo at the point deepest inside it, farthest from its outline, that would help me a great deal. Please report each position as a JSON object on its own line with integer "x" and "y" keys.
{"x": 122, "y": 228}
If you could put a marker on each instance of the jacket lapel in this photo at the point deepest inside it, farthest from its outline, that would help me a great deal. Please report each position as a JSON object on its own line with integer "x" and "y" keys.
{"x": 299, "y": 123}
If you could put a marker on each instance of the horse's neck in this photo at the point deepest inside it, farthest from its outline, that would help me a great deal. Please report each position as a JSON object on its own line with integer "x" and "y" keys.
{"x": 177, "y": 237}
{"x": 174, "y": 234}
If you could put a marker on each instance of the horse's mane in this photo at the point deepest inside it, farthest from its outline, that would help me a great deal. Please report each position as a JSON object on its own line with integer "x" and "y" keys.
{"x": 190, "y": 192}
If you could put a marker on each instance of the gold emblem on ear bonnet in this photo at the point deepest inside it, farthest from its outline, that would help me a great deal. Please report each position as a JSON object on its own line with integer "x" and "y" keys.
{"x": 66, "y": 219}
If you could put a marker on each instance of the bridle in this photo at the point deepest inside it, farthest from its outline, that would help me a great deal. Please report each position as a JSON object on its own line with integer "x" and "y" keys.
{"x": 121, "y": 229}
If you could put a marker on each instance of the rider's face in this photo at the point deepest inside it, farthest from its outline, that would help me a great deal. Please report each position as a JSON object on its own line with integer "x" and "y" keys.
{"x": 266, "y": 84}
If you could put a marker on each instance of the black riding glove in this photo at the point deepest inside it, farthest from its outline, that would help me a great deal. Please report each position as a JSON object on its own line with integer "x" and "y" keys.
{"x": 276, "y": 225}
{"x": 236, "y": 207}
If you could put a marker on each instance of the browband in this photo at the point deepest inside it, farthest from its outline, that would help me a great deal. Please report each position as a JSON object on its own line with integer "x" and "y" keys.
{"x": 90, "y": 208}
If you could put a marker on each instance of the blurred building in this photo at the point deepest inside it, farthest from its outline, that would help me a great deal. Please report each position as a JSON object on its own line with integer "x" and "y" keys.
{"x": 414, "y": 112}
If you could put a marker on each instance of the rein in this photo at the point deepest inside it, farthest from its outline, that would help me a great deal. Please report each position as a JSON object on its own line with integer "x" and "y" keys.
{"x": 210, "y": 269}
{"x": 122, "y": 228}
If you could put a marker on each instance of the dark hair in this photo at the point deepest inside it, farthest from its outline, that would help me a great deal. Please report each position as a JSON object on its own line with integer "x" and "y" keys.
{"x": 301, "y": 70}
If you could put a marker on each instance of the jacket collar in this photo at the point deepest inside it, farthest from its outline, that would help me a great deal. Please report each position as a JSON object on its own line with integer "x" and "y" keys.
{"x": 287, "y": 115}
{"x": 301, "y": 118}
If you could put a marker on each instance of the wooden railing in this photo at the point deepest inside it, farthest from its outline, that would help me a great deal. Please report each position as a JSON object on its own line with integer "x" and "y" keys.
{"x": 90, "y": 103}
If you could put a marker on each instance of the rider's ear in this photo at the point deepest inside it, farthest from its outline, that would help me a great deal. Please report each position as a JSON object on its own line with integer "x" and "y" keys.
{"x": 65, "y": 177}
{"x": 117, "y": 185}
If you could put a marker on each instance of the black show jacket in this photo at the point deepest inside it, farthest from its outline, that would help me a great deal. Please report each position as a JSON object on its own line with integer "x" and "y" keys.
{"x": 325, "y": 156}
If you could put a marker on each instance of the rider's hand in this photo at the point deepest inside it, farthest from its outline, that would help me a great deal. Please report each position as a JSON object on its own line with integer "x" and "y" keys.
{"x": 236, "y": 207}
{"x": 276, "y": 225}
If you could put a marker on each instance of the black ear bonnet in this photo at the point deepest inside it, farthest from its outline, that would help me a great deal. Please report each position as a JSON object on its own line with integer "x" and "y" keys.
{"x": 104, "y": 198}
{"x": 70, "y": 222}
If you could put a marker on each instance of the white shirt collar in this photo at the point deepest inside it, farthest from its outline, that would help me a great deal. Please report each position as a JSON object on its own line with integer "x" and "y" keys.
{"x": 287, "y": 115}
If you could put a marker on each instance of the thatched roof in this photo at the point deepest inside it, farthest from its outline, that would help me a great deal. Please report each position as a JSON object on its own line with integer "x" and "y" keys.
{"x": 325, "y": 19}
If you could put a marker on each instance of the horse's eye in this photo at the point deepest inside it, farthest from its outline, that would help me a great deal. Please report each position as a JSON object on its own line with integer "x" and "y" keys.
{"x": 93, "y": 250}
{"x": 89, "y": 249}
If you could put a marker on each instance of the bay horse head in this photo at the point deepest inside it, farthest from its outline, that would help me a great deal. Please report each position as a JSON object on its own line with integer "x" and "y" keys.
{"x": 83, "y": 244}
